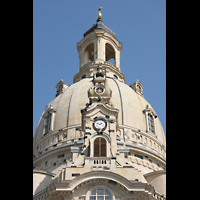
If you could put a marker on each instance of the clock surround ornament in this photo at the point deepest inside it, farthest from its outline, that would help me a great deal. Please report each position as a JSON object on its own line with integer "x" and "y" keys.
{"x": 99, "y": 90}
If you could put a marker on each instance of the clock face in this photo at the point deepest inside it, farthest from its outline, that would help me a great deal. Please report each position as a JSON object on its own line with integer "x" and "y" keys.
{"x": 99, "y": 124}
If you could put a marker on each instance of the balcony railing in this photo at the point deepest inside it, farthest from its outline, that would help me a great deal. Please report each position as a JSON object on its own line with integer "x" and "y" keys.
{"x": 93, "y": 63}
{"x": 104, "y": 161}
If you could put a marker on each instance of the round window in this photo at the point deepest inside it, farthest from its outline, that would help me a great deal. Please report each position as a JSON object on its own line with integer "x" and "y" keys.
{"x": 99, "y": 90}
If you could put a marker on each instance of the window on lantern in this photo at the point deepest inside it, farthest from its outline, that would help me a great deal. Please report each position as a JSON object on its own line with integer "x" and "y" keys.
{"x": 151, "y": 123}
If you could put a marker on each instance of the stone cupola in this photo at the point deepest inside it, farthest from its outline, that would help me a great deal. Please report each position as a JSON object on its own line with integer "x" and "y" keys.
{"x": 99, "y": 45}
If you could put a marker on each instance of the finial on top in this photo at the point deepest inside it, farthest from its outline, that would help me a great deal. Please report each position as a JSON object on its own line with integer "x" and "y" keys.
{"x": 99, "y": 14}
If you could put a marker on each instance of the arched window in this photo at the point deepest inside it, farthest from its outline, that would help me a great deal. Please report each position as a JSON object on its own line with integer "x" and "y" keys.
{"x": 89, "y": 53}
{"x": 100, "y": 147}
{"x": 100, "y": 194}
{"x": 150, "y": 118}
{"x": 110, "y": 53}
{"x": 47, "y": 127}
{"x": 151, "y": 123}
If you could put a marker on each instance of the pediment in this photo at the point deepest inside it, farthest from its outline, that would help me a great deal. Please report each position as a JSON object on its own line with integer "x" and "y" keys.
{"x": 101, "y": 108}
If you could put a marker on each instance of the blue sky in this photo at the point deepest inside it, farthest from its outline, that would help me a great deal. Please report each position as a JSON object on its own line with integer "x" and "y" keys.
{"x": 139, "y": 24}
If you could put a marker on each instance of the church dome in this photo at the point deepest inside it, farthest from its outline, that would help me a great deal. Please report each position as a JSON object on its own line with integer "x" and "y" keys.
{"x": 99, "y": 132}
{"x": 131, "y": 107}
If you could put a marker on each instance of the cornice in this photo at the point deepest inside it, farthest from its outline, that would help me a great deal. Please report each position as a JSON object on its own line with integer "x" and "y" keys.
{"x": 43, "y": 172}
{"x": 99, "y": 33}
{"x": 55, "y": 150}
{"x": 153, "y": 173}
{"x": 144, "y": 150}
{"x": 107, "y": 65}
{"x": 95, "y": 106}
{"x": 149, "y": 135}
{"x": 98, "y": 175}
{"x": 53, "y": 133}
{"x": 131, "y": 187}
